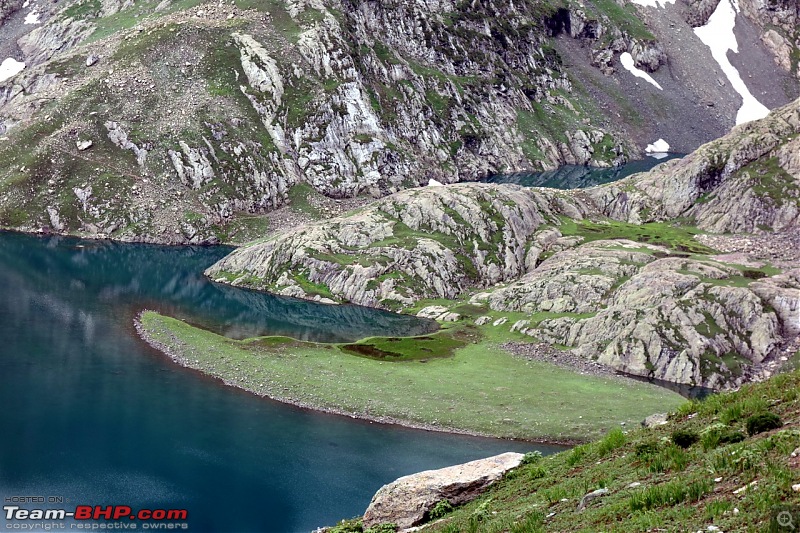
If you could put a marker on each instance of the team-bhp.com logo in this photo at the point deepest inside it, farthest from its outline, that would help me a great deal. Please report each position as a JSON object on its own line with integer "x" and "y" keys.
{"x": 121, "y": 517}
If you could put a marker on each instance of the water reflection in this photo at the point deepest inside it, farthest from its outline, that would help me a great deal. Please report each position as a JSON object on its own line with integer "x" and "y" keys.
{"x": 144, "y": 276}
{"x": 91, "y": 413}
{"x": 579, "y": 177}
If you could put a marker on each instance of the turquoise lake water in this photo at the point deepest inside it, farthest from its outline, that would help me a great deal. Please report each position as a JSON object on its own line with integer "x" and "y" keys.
{"x": 92, "y": 414}
{"x": 578, "y": 176}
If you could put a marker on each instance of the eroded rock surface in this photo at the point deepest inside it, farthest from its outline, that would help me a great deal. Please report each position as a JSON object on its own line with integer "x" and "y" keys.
{"x": 682, "y": 314}
{"x": 407, "y": 500}
{"x": 745, "y": 182}
{"x": 433, "y": 242}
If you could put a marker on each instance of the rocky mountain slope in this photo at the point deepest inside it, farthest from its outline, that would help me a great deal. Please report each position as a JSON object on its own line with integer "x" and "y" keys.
{"x": 742, "y": 183}
{"x": 178, "y": 121}
{"x": 430, "y": 242}
{"x": 606, "y": 271}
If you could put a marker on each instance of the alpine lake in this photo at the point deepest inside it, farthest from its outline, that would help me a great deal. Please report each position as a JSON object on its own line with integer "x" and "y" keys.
{"x": 91, "y": 415}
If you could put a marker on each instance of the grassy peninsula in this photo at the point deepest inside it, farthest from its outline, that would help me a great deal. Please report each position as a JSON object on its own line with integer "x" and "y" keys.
{"x": 467, "y": 382}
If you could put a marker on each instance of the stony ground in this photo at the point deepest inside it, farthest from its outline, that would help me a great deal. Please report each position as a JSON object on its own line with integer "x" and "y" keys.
{"x": 344, "y": 113}
{"x": 780, "y": 249}
{"x": 540, "y": 351}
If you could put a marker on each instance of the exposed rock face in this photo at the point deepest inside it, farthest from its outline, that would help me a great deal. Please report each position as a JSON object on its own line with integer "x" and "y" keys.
{"x": 675, "y": 319}
{"x": 192, "y": 165}
{"x": 432, "y": 242}
{"x": 680, "y": 320}
{"x": 741, "y": 183}
{"x": 572, "y": 281}
{"x": 357, "y": 99}
{"x": 196, "y": 121}
{"x": 781, "y": 47}
{"x": 778, "y": 20}
{"x": 407, "y": 500}
{"x": 234, "y": 108}
{"x": 699, "y": 11}
{"x": 46, "y": 41}
{"x": 637, "y": 308}
{"x": 118, "y": 136}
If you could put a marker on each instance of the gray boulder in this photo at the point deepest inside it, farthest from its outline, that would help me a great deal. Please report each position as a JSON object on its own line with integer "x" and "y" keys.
{"x": 654, "y": 420}
{"x": 407, "y": 500}
{"x": 591, "y": 496}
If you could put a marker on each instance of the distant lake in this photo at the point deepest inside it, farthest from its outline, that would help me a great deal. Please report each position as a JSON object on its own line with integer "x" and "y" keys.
{"x": 92, "y": 414}
{"x": 579, "y": 177}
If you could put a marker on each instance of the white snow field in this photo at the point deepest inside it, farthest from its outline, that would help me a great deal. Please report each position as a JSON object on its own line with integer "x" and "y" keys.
{"x": 627, "y": 61}
{"x": 10, "y": 67}
{"x": 718, "y": 35}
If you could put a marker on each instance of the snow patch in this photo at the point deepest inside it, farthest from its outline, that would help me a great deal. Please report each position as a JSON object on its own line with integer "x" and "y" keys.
{"x": 627, "y": 61}
{"x": 653, "y": 3}
{"x": 32, "y": 17}
{"x": 27, "y": 3}
{"x": 659, "y": 147}
{"x": 434, "y": 183}
{"x": 718, "y": 35}
{"x": 10, "y": 67}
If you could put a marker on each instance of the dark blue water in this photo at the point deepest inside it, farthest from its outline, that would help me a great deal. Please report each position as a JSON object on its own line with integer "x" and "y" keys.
{"x": 579, "y": 177}
{"x": 90, "y": 413}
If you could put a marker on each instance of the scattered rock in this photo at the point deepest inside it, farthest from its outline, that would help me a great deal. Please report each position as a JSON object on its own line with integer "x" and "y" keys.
{"x": 540, "y": 351}
{"x": 749, "y": 486}
{"x": 654, "y": 420}
{"x": 92, "y": 60}
{"x": 481, "y": 320}
{"x": 591, "y": 496}
{"x": 84, "y": 145}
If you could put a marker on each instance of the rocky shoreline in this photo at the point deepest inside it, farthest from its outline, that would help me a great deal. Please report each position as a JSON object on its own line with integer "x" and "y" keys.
{"x": 181, "y": 360}
{"x": 540, "y": 351}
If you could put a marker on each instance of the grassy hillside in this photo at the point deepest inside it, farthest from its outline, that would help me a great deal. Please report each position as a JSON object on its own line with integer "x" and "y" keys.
{"x": 702, "y": 470}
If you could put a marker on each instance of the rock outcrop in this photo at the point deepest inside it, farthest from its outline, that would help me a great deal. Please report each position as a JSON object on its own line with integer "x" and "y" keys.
{"x": 407, "y": 500}
{"x": 432, "y": 242}
{"x": 226, "y": 110}
{"x": 684, "y": 321}
{"x": 778, "y": 21}
{"x": 7, "y": 8}
{"x": 351, "y": 98}
{"x": 745, "y": 182}
{"x": 177, "y": 128}
{"x": 640, "y": 308}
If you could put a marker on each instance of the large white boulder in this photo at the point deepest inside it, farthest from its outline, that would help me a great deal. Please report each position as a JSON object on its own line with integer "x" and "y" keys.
{"x": 407, "y": 500}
